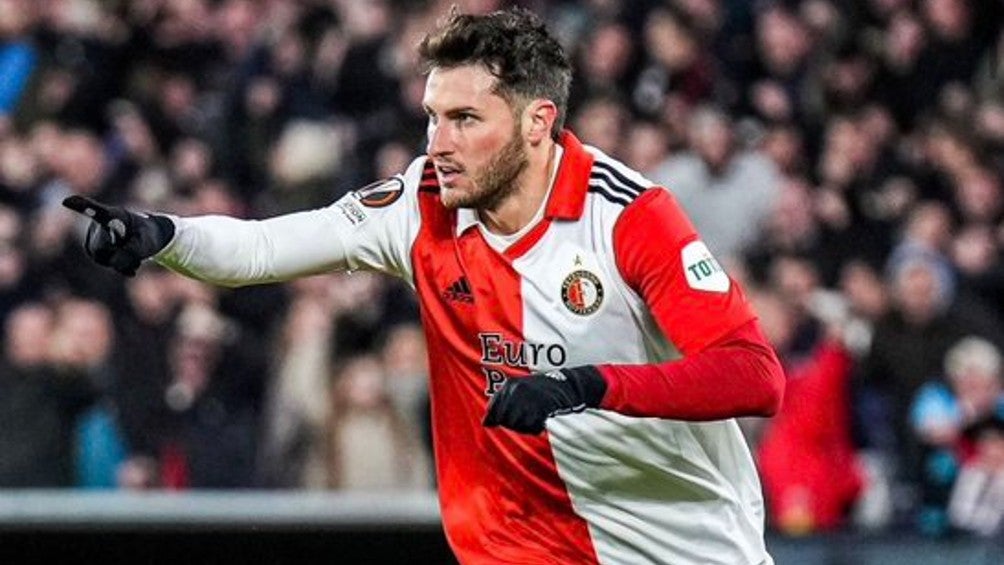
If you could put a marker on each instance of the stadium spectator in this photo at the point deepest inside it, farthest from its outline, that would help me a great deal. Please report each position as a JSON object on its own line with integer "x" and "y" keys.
{"x": 204, "y": 426}
{"x": 677, "y": 66}
{"x": 605, "y": 61}
{"x": 370, "y": 445}
{"x": 18, "y": 56}
{"x": 810, "y": 471}
{"x": 907, "y": 349}
{"x": 56, "y": 367}
{"x": 405, "y": 363}
{"x": 977, "y": 499}
{"x": 940, "y": 416}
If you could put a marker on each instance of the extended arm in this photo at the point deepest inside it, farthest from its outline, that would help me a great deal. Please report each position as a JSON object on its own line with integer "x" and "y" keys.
{"x": 371, "y": 228}
{"x": 232, "y": 252}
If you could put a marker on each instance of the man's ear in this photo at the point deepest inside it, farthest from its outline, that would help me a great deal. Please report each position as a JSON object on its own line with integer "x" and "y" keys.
{"x": 538, "y": 119}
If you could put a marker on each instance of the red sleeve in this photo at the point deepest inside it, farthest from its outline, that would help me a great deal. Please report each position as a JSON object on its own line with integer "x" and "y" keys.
{"x": 738, "y": 376}
{"x": 661, "y": 257}
{"x": 728, "y": 368}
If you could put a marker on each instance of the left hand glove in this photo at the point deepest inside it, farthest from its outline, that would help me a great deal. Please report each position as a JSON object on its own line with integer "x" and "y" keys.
{"x": 523, "y": 404}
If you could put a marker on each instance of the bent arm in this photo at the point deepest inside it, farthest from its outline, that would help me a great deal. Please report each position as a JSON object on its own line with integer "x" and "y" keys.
{"x": 728, "y": 369}
{"x": 737, "y": 376}
{"x": 231, "y": 252}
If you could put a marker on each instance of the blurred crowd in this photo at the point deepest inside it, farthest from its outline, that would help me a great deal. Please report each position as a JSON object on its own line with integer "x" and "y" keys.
{"x": 844, "y": 158}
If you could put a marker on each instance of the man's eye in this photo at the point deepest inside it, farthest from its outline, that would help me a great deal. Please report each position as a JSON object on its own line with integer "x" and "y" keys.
{"x": 465, "y": 118}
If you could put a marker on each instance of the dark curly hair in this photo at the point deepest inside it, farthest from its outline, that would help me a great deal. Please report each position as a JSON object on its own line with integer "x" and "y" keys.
{"x": 514, "y": 45}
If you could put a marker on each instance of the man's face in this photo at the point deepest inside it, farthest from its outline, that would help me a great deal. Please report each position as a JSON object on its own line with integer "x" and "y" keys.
{"x": 474, "y": 138}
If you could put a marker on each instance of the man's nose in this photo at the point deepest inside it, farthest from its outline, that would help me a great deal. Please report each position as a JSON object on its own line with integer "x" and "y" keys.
{"x": 440, "y": 141}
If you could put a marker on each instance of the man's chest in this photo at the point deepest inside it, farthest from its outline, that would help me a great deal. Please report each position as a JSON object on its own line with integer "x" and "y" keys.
{"x": 558, "y": 303}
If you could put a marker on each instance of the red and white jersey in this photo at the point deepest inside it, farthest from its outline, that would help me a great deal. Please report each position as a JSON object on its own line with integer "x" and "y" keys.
{"x": 613, "y": 274}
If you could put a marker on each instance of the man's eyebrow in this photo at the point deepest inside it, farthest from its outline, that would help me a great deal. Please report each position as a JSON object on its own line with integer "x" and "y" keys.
{"x": 452, "y": 111}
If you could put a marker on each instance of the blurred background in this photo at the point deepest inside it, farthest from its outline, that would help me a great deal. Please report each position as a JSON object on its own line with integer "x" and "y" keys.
{"x": 843, "y": 158}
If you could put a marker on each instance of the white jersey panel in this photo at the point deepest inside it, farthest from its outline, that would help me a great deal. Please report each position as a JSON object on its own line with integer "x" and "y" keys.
{"x": 698, "y": 498}
{"x": 680, "y": 499}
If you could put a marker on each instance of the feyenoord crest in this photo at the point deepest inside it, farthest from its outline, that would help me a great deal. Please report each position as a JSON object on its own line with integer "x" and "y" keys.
{"x": 582, "y": 292}
{"x": 380, "y": 193}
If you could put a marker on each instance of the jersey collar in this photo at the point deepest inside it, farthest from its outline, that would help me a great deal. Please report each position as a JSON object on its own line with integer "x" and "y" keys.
{"x": 568, "y": 196}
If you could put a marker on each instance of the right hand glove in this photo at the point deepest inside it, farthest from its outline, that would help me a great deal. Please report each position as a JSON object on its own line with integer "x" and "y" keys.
{"x": 118, "y": 238}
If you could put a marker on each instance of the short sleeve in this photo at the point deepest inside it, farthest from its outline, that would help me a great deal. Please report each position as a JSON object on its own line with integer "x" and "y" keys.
{"x": 661, "y": 256}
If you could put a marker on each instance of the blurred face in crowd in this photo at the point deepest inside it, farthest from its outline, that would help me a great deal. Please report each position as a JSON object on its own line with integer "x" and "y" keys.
{"x": 791, "y": 222}
{"x": 795, "y": 278}
{"x": 600, "y": 123}
{"x": 978, "y": 196}
{"x": 81, "y": 161}
{"x": 864, "y": 290}
{"x": 782, "y": 41}
{"x": 930, "y": 225}
{"x": 712, "y": 139}
{"x": 974, "y": 249}
{"x": 235, "y": 22}
{"x": 776, "y": 317}
{"x": 392, "y": 158}
{"x": 647, "y": 146}
{"x": 990, "y": 122}
{"x": 150, "y": 296}
{"x": 362, "y": 383}
{"x": 904, "y": 41}
{"x": 669, "y": 42}
{"x": 475, "y": 139}
{"x": 783, "y": 145}
{"x": 83, "y": 336}
{"x": 918, "y": 293}
{"x": 404, "y": 352}
{"x": 14, "y": 18}
{"x": 191, "y": 160}
{"x": 977, "y": 389}
{"x": 608, "y": 53}
{"x": 948, "y": 19}
{"x": 28, "y": 329}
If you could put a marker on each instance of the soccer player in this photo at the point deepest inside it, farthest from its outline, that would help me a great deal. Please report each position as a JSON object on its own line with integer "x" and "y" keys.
{"x": 588, "y": 354}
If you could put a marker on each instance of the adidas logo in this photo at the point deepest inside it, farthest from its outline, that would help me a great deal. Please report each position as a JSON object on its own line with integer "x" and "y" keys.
{"x": 459, "y": 291}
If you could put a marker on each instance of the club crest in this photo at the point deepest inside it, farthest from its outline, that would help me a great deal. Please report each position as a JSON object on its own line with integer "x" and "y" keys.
{"x": 582, "y": 292}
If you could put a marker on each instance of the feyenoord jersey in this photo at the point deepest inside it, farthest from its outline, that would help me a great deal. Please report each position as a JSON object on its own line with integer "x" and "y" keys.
{"x": 580, "y": 287}
{"x": 597, "y": 487}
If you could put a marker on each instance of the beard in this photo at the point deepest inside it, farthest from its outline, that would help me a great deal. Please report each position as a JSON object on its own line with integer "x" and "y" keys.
{"x": 495, "y": 181}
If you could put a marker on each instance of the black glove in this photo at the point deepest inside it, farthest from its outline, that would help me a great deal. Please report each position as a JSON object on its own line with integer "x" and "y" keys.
{"x": 523, "y": 404}
{"x": 118, "y": 238}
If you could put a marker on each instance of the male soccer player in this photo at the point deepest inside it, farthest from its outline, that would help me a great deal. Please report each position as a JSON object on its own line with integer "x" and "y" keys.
{"x": 588, "y": 354}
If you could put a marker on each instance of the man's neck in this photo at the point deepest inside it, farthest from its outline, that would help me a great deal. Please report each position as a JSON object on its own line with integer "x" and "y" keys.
{"x": 517, "y": 209}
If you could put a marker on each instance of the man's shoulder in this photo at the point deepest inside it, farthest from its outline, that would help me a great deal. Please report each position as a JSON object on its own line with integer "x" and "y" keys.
{"x": 614, "y": 181}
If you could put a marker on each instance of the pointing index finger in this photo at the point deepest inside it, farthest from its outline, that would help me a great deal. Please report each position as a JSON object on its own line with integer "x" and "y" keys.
{"x": 99, "y": 213}
{"x": 93, "y": 210}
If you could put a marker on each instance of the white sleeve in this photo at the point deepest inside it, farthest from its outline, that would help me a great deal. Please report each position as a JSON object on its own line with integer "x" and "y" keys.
{"x": 372, "y": 228}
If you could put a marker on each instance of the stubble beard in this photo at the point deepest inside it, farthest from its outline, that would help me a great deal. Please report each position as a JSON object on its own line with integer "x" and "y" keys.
{"x": 496, "y": 181}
